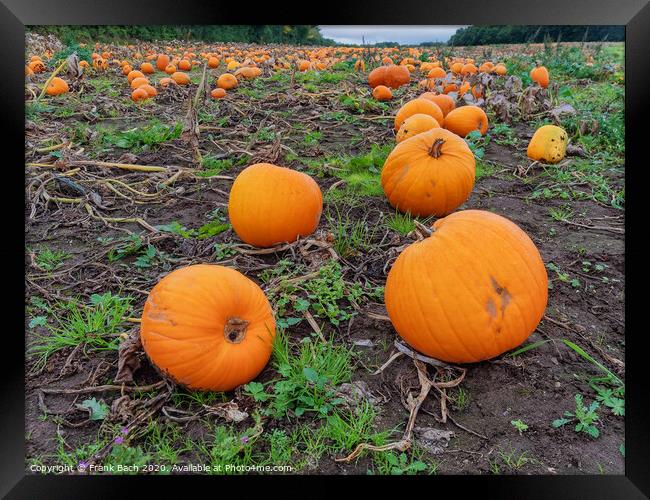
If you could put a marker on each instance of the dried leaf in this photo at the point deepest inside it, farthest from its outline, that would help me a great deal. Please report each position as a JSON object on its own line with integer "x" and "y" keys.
{"x": 128, "y": 359}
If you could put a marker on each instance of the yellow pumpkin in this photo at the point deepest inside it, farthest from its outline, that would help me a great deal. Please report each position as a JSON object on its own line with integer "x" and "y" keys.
{"x": 548, "y": 144}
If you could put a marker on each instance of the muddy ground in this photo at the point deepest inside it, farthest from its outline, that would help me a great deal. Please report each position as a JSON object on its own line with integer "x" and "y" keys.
{"x": 535, "y": 387}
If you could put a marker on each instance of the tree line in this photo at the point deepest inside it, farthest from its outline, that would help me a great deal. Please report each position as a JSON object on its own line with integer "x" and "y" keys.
{"x": 262, "y": 34}
{"x": 486, "y": 35}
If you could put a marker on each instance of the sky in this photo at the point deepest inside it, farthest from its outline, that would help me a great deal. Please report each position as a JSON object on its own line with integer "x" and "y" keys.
{"x": 401, "y": 34}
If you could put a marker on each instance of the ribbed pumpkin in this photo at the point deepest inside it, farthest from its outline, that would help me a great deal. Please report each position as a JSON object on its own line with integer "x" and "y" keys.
{"x": 431, "y": 173}
{"x": 208, "y": 327}
{"x": 416, "y": 106}
{"x": 270, "y": 204}
{"x": 392, "y": 76}
{"x": 414, "y": 125}
{"x": 461, "y": 121}
{"x": 476, "y": 288}
{"x": 548, "y": 143}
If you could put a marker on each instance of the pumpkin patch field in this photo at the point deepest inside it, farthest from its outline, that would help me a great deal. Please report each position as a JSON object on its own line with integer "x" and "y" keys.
{"x": 284, "y": 259}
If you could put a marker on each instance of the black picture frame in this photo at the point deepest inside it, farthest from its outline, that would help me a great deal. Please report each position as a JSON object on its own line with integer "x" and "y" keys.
{"x": 634, "y": 14}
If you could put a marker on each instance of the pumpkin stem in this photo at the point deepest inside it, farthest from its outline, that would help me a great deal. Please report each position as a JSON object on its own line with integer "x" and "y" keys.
{"x": 435, "y": 148}
{"x": 235, "y": 330}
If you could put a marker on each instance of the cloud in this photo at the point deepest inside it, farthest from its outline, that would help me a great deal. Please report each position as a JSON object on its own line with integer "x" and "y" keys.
{"x": 401, "y": 34}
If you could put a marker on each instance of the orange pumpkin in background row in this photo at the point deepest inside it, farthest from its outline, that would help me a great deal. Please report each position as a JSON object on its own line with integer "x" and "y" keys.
{"x": 270, "y": 204}
{"x": 180, "y": 78}
{"x": 382, "y": 93}
{"x": 57, "y": 86}
{"x": 227, "y": 81}
{"x": 414, "y": 125}
{"x": 445, "y": 103}
{"x": 147, "y": 68}
{"x": 391, "y": 76}
{"x": 540, "y": 75}
{"x": 208, "y": 327}
{"x": 162, "y": 62}
{"x": 463, "y": 120}
{"x": 416, "y": 106}
{"x": 476, "y": 288}
{"x": 431, "y": 173}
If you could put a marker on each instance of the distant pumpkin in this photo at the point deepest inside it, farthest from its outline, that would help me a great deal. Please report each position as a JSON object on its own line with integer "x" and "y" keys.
{"x": 392, "y": 76}
{"x": 463, "y": 120}
{"x": 415, "y": 106}
{"x": 269, "y": 204}
{"x": 227, "y": 81}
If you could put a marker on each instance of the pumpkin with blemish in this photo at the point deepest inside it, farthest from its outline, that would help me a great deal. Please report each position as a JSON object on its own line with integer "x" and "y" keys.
{"x": 269, "y": 204}
{"x": 414, "y": 125}
{"x": 208, "y": 327}
{"x": 548, "y": 144}
{"x": 431, "y": 173}
{"x": 476, "y": 288}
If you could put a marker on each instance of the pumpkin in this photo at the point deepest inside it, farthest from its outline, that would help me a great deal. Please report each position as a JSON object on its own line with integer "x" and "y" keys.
{"x": 170, "y": 69}
{"x": 416, "y": 124}
{"x": 165, "y": 82}
{"x": 450, "y": 87}
{"x": 126, "y": 69}
{"x": 138, "y": 82}
{"x": 437, "y": 72}
{"x": 213, "y": 62}
{"x": 359, "y": 65}
{"x": 149, "y": 89}
{"x": 227, "y": 81}
{"x": 184, "y": 65}
{"x": 468, "y": 69}
{"x": 456, "y": 68}
{"x": 162, "y": 61}
{"x": 57, "y": 86}
{"x": 540, "y": 75}
{"x": 269, "y": 204}
{"x": 100, "y": 64}
{"x": 548, "y": 144}
{"x": 218, "y": 93}
{"x": 28, "y": 71}
{"x": 37, "y": 66}
{"x": 500, "y": 69}
{"x": 139, "y": 94}
{"x": 445, "y": 103}
{"x": 180, "y": 78}
{"x": 431, "y": 173}
{"x": 248, "y": 72}
{"x": 391, "y": 76}
{"x": 416, "y": 106}
{"x": 382, "y": 93}
{"x": 147, "y": 68}
{"x": 476, "y": 288}
{"x": 208, "y": 327}
{"x": 463, "y": 120}
{"x": 132, "y": 75}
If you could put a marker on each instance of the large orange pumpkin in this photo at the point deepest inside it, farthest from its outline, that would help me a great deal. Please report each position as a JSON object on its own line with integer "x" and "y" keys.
{"x": 416, "y": 106}
{"x": 208, "y": 327}
{"x": 391, "y": 76}
{"x": 476, "y": 288}
{"x": 431, "y": 173}
{"x": 270, "y": 204}
{"x": 463, "y": 120}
